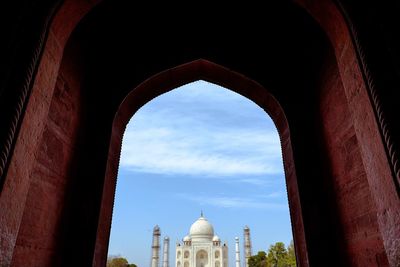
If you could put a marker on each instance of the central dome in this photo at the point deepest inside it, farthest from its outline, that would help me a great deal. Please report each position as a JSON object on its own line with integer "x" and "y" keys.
{"x": 201, "y": 229}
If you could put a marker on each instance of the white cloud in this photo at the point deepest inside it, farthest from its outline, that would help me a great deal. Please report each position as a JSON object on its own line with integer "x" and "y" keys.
{"x": 277, "y": 194}
{"x": 232, "y": 202}
{"x": 167, "y": 151}
{"x": 195, "y": 131}
{"x": 255, "y": 181}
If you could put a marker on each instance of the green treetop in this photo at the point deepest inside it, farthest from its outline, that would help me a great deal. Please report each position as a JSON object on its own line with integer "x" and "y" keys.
{"x": 278, "y": 256}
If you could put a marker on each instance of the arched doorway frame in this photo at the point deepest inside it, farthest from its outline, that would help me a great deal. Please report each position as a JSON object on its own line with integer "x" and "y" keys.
{"x": 326, "y": 13}
{"x": 201, "y": 258}
{"x": 170, "y": 79}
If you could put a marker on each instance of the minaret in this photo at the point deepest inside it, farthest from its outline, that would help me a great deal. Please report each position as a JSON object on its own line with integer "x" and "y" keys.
{"x": 247, "y": 245}
{"x": 237, "y": 252}
{"x": 155, "y": 247}
{"x": 166, "y": 252}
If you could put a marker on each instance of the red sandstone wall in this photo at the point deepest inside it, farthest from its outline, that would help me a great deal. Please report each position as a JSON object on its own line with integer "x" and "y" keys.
{"x": 39, "y": 232}
{"x": 372, "y": 151}
{"x": 39, "y": 165}
{"x": 356, "y": 208}
{"x": 14, "y": 194}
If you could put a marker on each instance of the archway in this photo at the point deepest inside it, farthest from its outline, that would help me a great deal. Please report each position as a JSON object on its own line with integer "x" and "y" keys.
{"x": 201, "y": 258}
{"x": 360, "y": 143}
{"x": 214, "y": 73}
{"x": 201, "y": 155}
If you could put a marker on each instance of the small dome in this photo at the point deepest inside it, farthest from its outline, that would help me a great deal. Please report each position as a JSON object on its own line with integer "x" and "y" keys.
{"x": 201, "y": 229}
{"x": 187, "y": 238}
{"x": 216, "y": 238}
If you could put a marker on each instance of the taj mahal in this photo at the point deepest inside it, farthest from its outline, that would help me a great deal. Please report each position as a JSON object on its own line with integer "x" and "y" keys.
{"x": 200, "y": 248}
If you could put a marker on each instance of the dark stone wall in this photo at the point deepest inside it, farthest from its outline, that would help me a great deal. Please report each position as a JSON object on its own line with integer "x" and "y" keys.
{"x": 35, "y": 79}
{"x": 59, "y": 171}
{"x": 41, "y": 226}
{"x": 376, "y": 27}
{"x": 353, "y": 207}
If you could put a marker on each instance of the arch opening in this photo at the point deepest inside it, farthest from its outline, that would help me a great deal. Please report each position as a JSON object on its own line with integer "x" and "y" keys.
{"x": 206, "y": 68}
{"x": 200, "y": 147}
{"x": 334, "y": 121}
{"x": 201, "y": 258}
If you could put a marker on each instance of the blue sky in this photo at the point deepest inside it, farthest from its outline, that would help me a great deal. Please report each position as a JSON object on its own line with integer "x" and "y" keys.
{"x": 199, "y": 147}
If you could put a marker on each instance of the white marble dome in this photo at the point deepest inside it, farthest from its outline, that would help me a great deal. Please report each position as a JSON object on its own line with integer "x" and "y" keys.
{"x": 201, "y": 229}
{"x": 201, "y": 248}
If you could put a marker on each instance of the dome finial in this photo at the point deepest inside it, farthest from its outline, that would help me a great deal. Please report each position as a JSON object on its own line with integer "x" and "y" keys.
{"x": 201, "y": 213}
{"x": 201, "y": 229}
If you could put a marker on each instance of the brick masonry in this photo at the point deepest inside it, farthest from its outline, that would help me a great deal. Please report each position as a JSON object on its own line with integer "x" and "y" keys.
{"x": 58, "y": 193}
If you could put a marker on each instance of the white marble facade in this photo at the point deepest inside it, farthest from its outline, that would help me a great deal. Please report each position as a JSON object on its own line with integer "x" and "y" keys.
{"x": 201, "y": 248}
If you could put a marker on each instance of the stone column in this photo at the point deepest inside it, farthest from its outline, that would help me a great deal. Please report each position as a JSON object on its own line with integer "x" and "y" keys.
{"x": 237, "y": 256}
{"x": 247, "y": 245}
{"x": 155, "y": 247}
{"x": 166, "y": 252}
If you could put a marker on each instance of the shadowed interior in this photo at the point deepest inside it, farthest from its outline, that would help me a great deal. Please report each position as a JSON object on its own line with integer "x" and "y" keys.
{"x": 301, "y": 70}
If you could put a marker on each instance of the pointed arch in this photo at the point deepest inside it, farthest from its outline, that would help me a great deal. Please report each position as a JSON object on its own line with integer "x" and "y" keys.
{"x": 170, "y": 79}
{"x": 32, "y": 105}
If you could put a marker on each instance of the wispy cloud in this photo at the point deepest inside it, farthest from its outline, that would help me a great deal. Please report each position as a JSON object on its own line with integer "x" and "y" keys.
{"x": 164, "y": 150}
{"x": 232, "y": 202}
{"x": 202, "y": 137}
{"x": 255, "y": 181}
{"x": 277, "y": 194}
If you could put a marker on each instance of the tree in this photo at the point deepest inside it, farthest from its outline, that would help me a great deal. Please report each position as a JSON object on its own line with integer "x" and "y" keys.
{"x": 291, "y": 256}
{"x": 132, "y": 265}
{"x": 117, "y": 262}
{"x": 277, "y": 255}
{"x": 259, "y": 260}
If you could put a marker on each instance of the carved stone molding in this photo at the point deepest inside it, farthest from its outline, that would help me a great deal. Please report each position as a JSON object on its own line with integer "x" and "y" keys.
{"x": 22, "y": 91}
{"x": 384, "y": 127}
